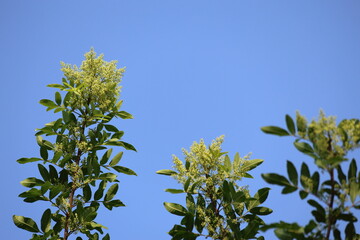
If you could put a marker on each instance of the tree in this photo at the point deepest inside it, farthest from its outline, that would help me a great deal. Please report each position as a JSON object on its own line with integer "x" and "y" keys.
{"x": 333, "y": 199}
{"x": 76, "y": 178}
{"x": 221, "y": 209}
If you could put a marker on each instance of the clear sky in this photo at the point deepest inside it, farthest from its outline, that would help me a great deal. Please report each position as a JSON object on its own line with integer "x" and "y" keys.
{"x": 195, "y": 69}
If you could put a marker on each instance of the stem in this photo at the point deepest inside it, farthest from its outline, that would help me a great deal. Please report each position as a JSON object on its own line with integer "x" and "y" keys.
{"x": 67, "y": 231}
{"x": 331, "y": 203}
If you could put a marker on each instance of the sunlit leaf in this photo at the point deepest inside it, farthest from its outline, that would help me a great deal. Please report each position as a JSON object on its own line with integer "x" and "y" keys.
{"x": 175, "y": 208}
{"x": 275, "y": 131}
{"x": 25, "y": 223}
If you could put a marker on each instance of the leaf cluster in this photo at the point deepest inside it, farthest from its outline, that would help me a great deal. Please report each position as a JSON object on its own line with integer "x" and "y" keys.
{"x": 75, "y": 180}
{"x": 216, "y": 206}
{"x": 331, "y": 199}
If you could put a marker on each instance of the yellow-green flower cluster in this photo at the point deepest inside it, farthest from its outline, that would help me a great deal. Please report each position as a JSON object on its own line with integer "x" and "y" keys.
{"x": 350, "y": 133}
{"x": 329, "y": 139}
{"x": 95, "y": 82}
{"x": 203, "y": 162}
{"x": 301, "y": 125}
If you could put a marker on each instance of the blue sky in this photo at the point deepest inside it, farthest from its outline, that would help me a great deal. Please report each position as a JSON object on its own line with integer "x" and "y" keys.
{"x": 195, "y": 69}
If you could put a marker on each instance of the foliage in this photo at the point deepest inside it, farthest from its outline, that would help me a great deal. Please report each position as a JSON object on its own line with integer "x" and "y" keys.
{"x": 216, "y": 206}
{"x": 74, "y": 179}
{"x": 332, "y": 200}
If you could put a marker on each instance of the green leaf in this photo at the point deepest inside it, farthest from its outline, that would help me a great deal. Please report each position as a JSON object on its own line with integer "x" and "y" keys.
{"x": 292, "y": 173}
{"x": 251, "y": 230}
{"x": 110, "y": 194}
{"x": 32, "y": 193}
{"x": 53, "y": 173}
{"x": 259, "y": 197}
{"x": 277, "y": 179}
{"x": 31, "y": 182}
{"x": 188, "y": 221}
{"x": 87, "y": 193}
{"x": 303, "y": 194}
{"x": 226, "y": 192}
{"x": 318, "y": 207}
{"x": 352, "y": 170}
{"x": 44, "y": 153}
{"x": 341, "y": 175}
{"x": 58, "y": 98}
{"x": 250, "y": 164}
{"x": 106, "y": 237}
{"x": 199, "y": 218}
{"x": 116, "y": 159}
{"x": 337, "y": 234}
{"x": 106, "y": 157}
{"x": 111, "y": 128}
{"x": 275, "y": 131}
{"x": 186, "y": 184}
{"x": 48, "y": 103}
{"x": 124, "y": 170}
{"x": 114, "y": 203}
{"x": 25, "y": 223}
{"x": 124, "y": 115}
{"x": 166, "y": 172}
{"x": 354, "y": 190}
{"x": 99, "y": 193}
{"x": 108, "y": 177}
{"x": 227, "y": 164}
{"x": 304, "y": 148}
{"x": 44, "y": 173}
{"x": 349, "y": 217}
{"x": 128, "y": 146}
{"x": 290, "y": 124}
{"x": 27, "y": 160}
{"x": 175, "y": 208}
{"x": 174, "y": 191}
{"x": 288, "y": 189}
{"x": 56, "y": 86}
{"x": 349, "y": 231}
{"x": 315, "y": 182}
{"x": 46, "y": 220}
{"x": 261, "y": 210}
{"x": 190, "y": 204}
{"x": 55, "y": 190}
{"x": 305, "y": 175}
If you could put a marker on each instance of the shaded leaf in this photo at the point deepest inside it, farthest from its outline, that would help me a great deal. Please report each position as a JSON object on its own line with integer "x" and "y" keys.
{"x": 261, "y": 210}
{"x": 274, "y": 178}
{"x": 111, "y": 128}
{"x": 46, "y": 220}
{"x": 292, "y": 173}
{"x": 290, "y": 124}
{"x": 99, "y": 193}
{"x": 44, "y": 173}
{"x": 58, "y": 98}
{"x": 87, "y": 193}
